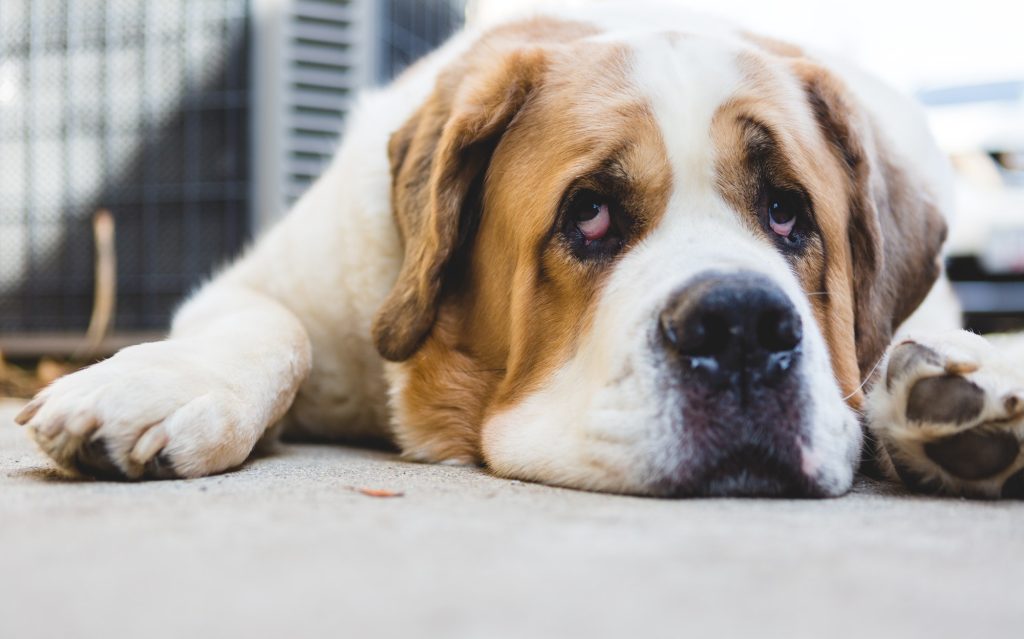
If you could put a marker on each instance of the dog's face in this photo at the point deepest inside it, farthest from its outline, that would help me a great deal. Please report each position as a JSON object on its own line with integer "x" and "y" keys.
{"x": 660, "y": 264}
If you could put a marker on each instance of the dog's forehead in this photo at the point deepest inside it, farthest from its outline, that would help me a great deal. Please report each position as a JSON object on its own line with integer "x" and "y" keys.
{"x": 685, "y": 79}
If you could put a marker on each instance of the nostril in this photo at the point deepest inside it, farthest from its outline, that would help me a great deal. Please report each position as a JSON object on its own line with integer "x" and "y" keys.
{"x": 779, "y": 330}
{"x": 701, "y": 334}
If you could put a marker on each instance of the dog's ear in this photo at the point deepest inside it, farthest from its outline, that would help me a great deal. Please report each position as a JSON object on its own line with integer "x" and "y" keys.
{"x": 437, "y": 159}
{"x": 895, "y": 231}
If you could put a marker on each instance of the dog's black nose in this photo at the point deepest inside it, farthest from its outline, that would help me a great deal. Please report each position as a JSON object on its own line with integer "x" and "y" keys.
{"x": 737, "y": 327}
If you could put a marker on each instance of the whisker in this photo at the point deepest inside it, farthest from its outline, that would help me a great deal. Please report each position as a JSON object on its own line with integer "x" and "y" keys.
{"x": 873, "y": 369}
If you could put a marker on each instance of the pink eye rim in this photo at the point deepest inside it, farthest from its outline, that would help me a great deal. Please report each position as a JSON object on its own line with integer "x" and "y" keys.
{"x": 593, "y": 222}
{"x": 595, "y": 227}
{"x": 782, "y": 229}
{"x": 786, "y": 215}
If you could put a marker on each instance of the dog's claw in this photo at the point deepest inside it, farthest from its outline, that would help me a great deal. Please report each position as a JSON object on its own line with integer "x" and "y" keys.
{"x": 150, "y": 443}
{"x": 28, "y": 412}
{"x": 1014, "y": 403}
{"x": 961, "y": 367}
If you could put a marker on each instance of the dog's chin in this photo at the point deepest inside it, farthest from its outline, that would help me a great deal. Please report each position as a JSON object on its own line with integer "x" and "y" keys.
{"x": 733, "y": 442}
{"x": 754, "y": 473}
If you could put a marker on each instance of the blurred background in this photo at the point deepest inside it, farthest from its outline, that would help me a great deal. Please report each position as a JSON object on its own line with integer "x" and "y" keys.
{"x": 191, "y": 125}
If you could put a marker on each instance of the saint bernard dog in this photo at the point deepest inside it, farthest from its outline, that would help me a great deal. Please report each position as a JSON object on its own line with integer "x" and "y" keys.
{"x": 619, "y": 248}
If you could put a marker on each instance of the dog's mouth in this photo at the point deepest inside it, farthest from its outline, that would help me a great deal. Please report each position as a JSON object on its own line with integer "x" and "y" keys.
{"x": 755, "y": 472}
{"x": 749, "y": 470}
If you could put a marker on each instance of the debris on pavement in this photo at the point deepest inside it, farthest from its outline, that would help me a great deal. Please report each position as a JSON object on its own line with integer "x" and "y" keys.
{"x": 379, "y": 492}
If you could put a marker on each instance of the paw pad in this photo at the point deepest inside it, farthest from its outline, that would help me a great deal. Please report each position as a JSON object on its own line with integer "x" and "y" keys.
{"x": 949, "y": 417}
{"x": 909, "y": 356}
{"x": 93, "y": 459}
{"x": 947, "y": 399}
{"x": 1014, "y": 486}
{"x": 974, "y": 454}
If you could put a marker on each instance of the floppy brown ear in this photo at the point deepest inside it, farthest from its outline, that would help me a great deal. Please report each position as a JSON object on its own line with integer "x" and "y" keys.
{"x": 437, "y": 158}
{"x": 895, "y": 228}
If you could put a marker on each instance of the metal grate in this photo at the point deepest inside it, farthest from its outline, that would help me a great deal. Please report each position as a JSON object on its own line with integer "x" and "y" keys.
{"x": 412, "y": 28}
{"x": 136, "y": 106}
{"x": 319, "y": 82}
{"x": 326, "y": 41}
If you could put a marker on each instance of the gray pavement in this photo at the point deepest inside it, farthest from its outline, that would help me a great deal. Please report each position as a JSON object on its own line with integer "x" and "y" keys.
{"x": 288, "y": 547}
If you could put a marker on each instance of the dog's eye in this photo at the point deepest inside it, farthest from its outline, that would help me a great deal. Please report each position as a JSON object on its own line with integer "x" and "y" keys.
{"x": 593, "y": 224}
{"x": 781, "y": 218}
{"x": 783, "y": 210}
{"x": 592, "y": 216}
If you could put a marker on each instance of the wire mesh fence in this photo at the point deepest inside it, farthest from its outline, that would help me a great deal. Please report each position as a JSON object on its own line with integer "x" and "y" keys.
{"x": 135, "y": 106}
{"x": 141, "y": 108}
{"x": 412, "y": 28}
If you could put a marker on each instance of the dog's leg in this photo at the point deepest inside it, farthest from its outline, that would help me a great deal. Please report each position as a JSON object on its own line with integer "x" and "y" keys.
{"x": 948, "y": 413}
{"x": 240, "y": 350}
{"x": 192, "y": 405}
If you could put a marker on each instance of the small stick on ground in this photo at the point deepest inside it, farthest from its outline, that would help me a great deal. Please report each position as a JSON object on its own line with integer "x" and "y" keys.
{"x": 380, "y": 492}
{"x": 105, "y": 296}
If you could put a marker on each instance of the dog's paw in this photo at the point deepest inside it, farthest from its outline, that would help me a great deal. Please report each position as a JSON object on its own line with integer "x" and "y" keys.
{"x": 152, "y": 411}
{"x": 948, "y": 413}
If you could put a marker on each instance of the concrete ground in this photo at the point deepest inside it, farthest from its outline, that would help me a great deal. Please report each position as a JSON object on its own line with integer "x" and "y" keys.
{"x": 287, "y": 546}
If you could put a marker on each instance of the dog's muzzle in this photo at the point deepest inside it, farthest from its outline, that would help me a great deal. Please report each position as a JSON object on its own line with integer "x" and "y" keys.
{"x": 734, "y": 344}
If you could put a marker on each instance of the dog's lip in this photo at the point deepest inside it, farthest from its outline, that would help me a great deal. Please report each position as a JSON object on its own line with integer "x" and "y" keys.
{"x": 748, "y": 471}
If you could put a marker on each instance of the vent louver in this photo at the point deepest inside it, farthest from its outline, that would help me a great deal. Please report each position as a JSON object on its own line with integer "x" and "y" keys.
{"x": 319, "y": 78}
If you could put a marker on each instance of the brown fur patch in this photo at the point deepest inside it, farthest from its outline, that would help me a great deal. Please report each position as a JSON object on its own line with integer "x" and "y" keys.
{"x": 895, "y": 230}
{"x": 509, "y": 129}
{"x": 880, "y": 234}
{"x": 770, "y": 119}
{"x": 444, "y": 397}
{"x": 435, "y": 160}
{"x": 439, "y": 155}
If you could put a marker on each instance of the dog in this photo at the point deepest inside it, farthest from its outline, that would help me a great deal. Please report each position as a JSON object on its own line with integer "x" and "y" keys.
{"x": 620, "y": 248}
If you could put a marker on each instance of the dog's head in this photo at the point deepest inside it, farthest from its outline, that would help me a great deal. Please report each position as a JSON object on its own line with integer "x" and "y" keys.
{"x": 661, "y": 264}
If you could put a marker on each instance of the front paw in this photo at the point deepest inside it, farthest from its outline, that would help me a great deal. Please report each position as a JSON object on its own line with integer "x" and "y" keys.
{"x": 152, "y": 411}
{"x": 948, "y": 414}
